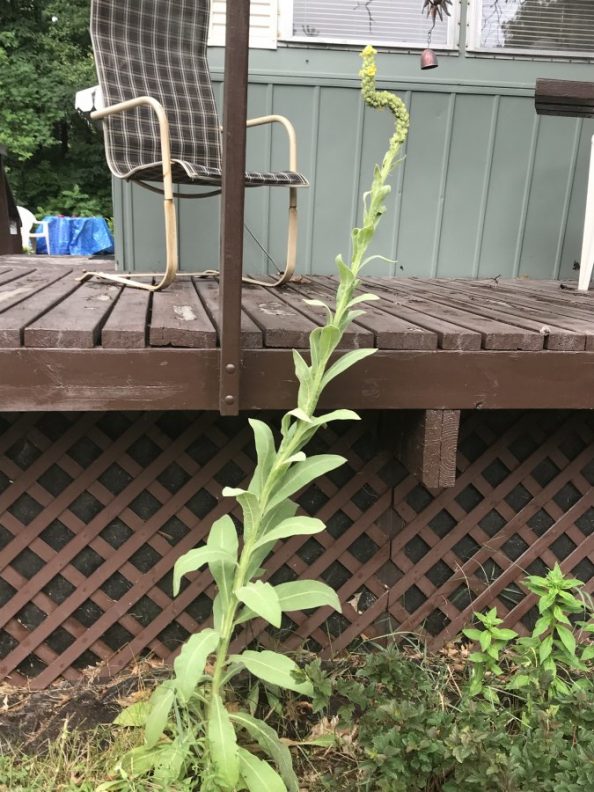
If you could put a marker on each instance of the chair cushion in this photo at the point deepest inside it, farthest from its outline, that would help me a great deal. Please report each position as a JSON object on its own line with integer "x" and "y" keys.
{"x": 187, "y": 173}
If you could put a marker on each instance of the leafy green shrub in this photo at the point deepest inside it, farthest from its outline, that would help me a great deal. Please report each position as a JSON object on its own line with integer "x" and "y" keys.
{"x": 519, "y": 720}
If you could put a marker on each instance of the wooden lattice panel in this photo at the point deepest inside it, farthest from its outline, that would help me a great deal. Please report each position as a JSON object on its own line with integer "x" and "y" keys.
{"x": 96, "y": 507}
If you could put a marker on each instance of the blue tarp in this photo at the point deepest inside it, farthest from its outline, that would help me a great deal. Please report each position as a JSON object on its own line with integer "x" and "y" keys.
{"x": 76, "y": 236}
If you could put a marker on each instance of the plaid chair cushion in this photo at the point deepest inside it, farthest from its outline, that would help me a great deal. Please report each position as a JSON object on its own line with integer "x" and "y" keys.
{"x": 157, "y": 48}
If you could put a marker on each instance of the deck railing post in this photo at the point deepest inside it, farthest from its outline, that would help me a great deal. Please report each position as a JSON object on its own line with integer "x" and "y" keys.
{"x": 233, "y": 192}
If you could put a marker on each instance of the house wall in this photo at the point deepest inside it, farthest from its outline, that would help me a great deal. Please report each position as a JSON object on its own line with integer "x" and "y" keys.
{"x": 486, "y": 187}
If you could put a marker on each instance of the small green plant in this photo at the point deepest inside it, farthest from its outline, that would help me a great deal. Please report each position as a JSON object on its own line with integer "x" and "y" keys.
{"x": 189, "y": 732}
{"x": 549, "y": 662}
{"x": 493, "y": 641}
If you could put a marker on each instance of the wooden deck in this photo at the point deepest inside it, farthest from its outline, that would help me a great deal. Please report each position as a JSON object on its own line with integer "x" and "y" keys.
{"x": 442, "y": 344}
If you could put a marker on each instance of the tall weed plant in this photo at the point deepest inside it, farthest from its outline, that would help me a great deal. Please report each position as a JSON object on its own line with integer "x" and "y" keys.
{"x": 192, "y": 740}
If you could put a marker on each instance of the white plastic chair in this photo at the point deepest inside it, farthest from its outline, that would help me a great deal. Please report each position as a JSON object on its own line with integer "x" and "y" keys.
{"x": 28, "y": 221}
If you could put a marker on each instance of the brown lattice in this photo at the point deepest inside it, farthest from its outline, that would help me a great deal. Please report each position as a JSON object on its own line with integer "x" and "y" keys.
{"x": 95, "y": 508}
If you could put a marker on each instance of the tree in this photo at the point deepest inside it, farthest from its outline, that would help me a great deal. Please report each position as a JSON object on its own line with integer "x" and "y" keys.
{"x": 56, "y": 159}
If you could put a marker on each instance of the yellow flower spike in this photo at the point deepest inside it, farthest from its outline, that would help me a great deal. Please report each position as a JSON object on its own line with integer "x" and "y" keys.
{"x": 381, "y": 99}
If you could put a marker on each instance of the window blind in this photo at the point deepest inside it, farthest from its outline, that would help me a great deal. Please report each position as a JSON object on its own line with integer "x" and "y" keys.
{"x": 399, "y": 22}
{"x": 544, "y": 25}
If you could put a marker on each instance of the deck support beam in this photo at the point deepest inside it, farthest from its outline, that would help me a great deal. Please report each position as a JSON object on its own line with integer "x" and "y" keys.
{"x": 233, "y": 200}
{"x": 426, "y": 444}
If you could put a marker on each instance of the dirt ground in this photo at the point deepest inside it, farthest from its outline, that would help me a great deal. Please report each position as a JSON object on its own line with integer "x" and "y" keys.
{"x": 31, "y": 719}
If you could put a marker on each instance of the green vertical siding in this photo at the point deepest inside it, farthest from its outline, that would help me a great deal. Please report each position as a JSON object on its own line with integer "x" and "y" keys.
{"x": 486, "y": 187}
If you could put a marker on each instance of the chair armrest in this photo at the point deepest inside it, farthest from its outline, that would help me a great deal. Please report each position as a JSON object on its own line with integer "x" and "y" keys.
{"x": 159, "y": 110}
{"x": 290, "y": 130}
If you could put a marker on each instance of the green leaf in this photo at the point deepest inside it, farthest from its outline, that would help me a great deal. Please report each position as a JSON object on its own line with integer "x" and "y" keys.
{"x": 271, "y": 518}
{"x": 269, "y": 742}
{"x": 485, "y": 640}
{"x": 194, "y": 559}
{"x": 171, "y": 760}
{"x": 294, "y": 526}
{"x": 160, "y": 703}
{"x": 301, "y": 415}
{"x": 336, "y": 415}
{"x": 222, "y": 743}
{"x": 567, "y": 638}
{"x": 302, "y": 474}
{"x": 250, "y": 507}
{"x": 322, "y": 342}
{"x": 345, "y": 362}
{"x": 319, "y": 304}
{"x": 134, "y": 715}
{"x": 223, "y": 536}
{"x": 262, "y": 599}
{"x": 472, "y": 633}
{"x": 478, "y": 657}
{"x": 258, "y": 775}
{"x": 304, "y": 594}
{"x": 190, "y": 662}
{"x": 542, "y": 625}
{"x": 265, "y": 452}
{"x": 233, "y": 492}
{"x": 274, "y": 668}
{"x": 588, "y": 653}
{"x": 545, "y": 648}
{"x": 503, "y": 634}
{"x": 363, "y": 298}
{"x": 519, "y": 681}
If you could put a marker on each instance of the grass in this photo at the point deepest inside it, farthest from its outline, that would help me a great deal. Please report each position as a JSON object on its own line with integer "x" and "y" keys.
{"x": 76, "y": 762}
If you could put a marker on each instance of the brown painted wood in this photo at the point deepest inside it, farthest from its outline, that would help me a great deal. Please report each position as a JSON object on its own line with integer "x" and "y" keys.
{"x": 16, "y": 291}
{"x": 282, "y": 325}
{"x": 179, "y": 319}
{"x": 551, "y": 311}
{"x": 355, "y": 336}
{"x": 564, "y": 97}
{"x": 126, "y": 326}
{"x": 450, "y": 336}
{"x": 556, "y": 335}
{"x": 426, "y": 444}
{"x": 496, "y": 335}
{"x": 235, "y": 89}
{"x": 14, "y": 320}
{"x": 209, "y": 292}
{"x": 75, "y": 322}
{"x": 110, "y": 379}
{"x": 390, "y": 332}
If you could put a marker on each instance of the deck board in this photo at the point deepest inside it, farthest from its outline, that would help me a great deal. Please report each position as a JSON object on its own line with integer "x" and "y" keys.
{"x": 179, "y": 319}
{"x": 442, "y": 344}
{"x": 43, "y": 305}
{"x": 76, "y": 321}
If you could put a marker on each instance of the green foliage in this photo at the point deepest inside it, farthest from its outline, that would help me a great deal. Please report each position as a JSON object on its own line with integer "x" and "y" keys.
{"x": 420, "y": 730}
{"x": 545, "y": 662}
{"x": 56, "y": 160}
{"x": 187, "y": 714}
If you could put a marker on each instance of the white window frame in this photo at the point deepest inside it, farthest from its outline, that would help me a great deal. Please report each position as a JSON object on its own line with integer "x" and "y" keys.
{"x": 286, "y": 32}
{"x": 262, "y": 36}
{"x": 473, "y": 41}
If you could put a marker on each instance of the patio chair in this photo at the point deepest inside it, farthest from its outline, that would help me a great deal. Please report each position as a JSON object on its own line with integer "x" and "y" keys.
{"x": 28, "y": 220}
{"x": 160, "y": 120}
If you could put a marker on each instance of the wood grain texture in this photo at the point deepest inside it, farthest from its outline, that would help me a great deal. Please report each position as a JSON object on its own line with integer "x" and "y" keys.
{"x": 426, "y": 443}
{"x": 179, "y": 319}
{"x": 76, "y": 321}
